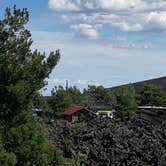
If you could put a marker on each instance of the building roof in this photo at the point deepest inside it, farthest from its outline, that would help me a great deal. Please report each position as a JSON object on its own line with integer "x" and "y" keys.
{"x": 101, "y": 107}
{"x": 151, "y": 107}
{"x": 104, "y": 111}
{"x": 72, "y": 110}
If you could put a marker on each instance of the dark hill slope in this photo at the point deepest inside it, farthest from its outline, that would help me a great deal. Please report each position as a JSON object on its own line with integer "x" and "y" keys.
{"x": 160, "y": 82}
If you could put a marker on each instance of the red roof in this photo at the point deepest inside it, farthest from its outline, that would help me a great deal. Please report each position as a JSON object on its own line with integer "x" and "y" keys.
{"x": 72, "y": 110}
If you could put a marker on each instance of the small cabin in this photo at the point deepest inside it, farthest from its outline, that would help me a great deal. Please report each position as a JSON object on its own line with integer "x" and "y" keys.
{"x": 76, "y": 114}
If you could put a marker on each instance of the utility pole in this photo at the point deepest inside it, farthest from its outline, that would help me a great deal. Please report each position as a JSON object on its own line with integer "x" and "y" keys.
{"x": 66, "y": 84}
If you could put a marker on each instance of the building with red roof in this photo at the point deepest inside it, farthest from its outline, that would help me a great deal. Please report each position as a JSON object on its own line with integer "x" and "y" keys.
{"x": 76, "y": 113}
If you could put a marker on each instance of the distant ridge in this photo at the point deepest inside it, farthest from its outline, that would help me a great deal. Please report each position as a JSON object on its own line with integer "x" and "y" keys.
{"x": 160, "y": 82}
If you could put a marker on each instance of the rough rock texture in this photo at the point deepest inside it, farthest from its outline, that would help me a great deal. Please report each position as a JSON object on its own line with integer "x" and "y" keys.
{"x": 104, "y": 142}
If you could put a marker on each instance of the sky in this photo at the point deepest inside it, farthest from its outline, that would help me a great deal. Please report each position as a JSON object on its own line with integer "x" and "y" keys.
{"x": 102, "y": 42}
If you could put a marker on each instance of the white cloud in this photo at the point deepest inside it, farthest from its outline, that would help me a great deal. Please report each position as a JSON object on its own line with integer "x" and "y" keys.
{"x": 121, "y": 39}
{"x": 85, "y": 30}
{"x": 124, "y": 15}
{"x": 50, "y": 41}
{"x": 81, "y": 82}
{"x": 97, "y": 84}
{"x": 59, "y": 81}
{"x": 132, "y": 45}
{"x": 157, "y": 19}
{"x": 60, "y": 5}
{"x": 124, "y": 26}
{"x": 121, "y": 4}
{"x": 93, "y": 18}
{"x": 56, "y": 81}
{"x": 89, "y": 5}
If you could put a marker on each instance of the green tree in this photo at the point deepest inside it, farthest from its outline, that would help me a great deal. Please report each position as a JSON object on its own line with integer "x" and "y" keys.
{"x": 152, "y": 96}
{"x": 22, "y": 75}
{"x": 22, "y": 71}
{"x": 60, "y": 100}
{"x": 6, "y": 159}
{"x": 98, "y": 95}
{"x": 126, "y": 103}
{"x": 75, "y": 95}
{"x": 28, "y": 142}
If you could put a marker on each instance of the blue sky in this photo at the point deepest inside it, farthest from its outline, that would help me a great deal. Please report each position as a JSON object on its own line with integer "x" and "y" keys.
{"x": 102, "y": 42}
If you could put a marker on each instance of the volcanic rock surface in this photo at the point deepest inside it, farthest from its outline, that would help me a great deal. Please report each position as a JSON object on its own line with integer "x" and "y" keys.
{"x": 104, "y": 142}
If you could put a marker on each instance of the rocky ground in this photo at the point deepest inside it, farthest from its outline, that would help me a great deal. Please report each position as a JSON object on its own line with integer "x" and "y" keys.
{"x": 104, "y": 142}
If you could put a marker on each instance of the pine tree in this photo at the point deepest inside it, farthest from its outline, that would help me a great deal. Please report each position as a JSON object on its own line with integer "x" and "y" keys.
{"x": 22, "y": 75}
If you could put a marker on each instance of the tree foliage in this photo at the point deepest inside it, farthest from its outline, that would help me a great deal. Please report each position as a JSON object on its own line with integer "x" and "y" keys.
{"x": 152, "y": 96}
{"x": 126, "y": 102}
{"x": 22, "y": 71}
{"x": 98, "y": 95}
{"x": 6, "y": 159}
{"x": 22, "y": 74}
{"x": 60, "y": 99}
